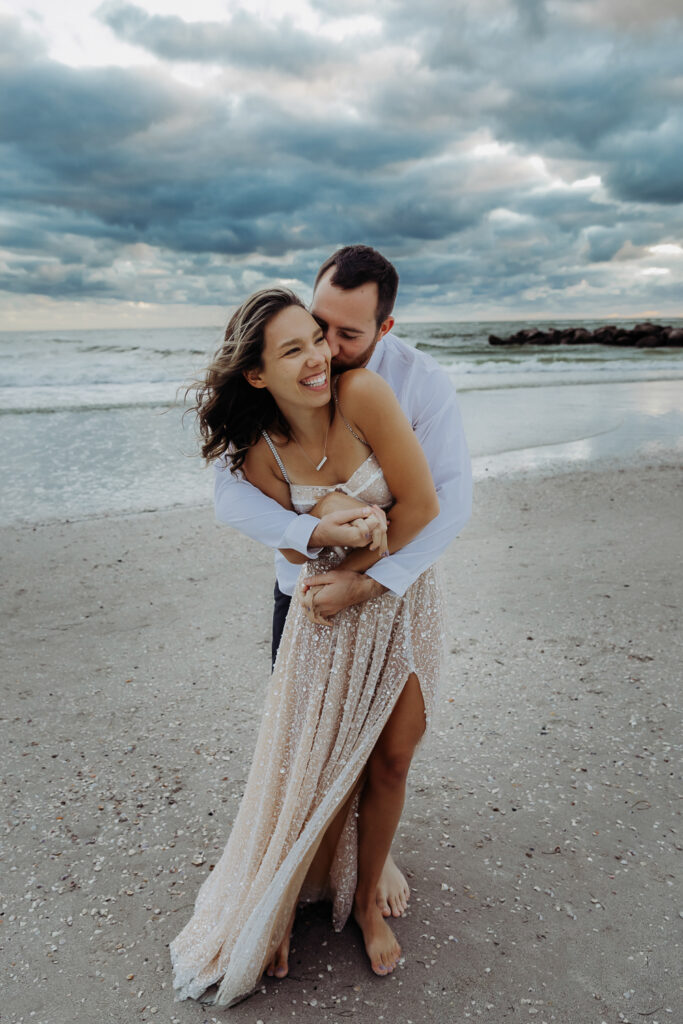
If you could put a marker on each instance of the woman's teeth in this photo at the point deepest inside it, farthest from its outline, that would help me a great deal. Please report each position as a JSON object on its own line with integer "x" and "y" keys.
{"x": 315, "y": 382}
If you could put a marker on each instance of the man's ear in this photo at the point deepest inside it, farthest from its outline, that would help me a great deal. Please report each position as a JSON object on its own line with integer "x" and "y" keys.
{"x": 254, "y": 378}
{"x": 386, "y": 326}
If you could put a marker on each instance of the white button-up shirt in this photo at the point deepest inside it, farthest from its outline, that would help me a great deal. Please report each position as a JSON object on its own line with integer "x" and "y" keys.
{"x": 428, "y": 399}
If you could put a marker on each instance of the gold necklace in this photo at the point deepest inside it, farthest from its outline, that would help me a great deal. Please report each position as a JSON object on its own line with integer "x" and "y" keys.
{"x": 324, "y": 458}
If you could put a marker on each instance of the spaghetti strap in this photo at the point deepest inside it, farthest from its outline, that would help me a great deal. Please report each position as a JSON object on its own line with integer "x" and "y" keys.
{"x": 277, "y": 456}
{"x": 348, "y": 425}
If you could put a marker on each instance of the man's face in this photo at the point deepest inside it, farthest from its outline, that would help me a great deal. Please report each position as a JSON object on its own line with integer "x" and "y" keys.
{"x": 347, "y": 318}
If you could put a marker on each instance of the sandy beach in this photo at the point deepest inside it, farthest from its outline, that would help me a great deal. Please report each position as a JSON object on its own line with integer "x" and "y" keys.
{"x": 483, "y": 202}
{"x": 541, "y": 835}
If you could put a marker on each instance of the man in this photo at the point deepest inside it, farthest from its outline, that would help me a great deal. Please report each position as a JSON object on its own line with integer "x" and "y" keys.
{"x": 353, "y": 299}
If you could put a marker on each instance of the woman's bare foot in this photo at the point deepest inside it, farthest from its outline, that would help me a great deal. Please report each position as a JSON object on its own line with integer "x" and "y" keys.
{"x": 380, "y": 942}
{"x": 279, "y": 965}
{"x": 393, "y": 892}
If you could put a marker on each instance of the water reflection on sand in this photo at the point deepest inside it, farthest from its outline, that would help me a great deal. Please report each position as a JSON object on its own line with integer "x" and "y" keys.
{"x": 540, "y": 429}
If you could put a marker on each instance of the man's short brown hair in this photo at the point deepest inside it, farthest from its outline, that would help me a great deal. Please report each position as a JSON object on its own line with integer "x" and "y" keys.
{"x": 358, "y": 264}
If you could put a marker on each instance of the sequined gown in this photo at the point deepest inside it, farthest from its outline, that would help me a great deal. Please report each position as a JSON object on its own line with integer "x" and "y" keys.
{"x": 331, "y": 693}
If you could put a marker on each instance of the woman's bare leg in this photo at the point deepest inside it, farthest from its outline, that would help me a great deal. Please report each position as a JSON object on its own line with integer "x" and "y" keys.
{"x": 319, "y": 871}
{"x": 316, "y": 876}
{"x": 381, "y": 886}
{"x": 279, "y": 965}
{"x": 378, "y": 817}
{"x": 393, "y": 892}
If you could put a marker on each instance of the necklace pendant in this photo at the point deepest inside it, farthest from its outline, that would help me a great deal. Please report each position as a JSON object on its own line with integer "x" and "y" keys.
{"x": 321, "y": 463}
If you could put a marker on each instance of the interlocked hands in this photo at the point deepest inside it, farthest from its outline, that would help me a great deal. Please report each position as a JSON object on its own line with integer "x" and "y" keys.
{"x": 346, "y": 522}
{"x": 371, "y": 526}
{"x": 349, "y": 523}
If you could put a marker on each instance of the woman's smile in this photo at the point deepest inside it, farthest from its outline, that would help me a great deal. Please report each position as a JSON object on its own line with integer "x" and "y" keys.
{"x": 317, "y": 382}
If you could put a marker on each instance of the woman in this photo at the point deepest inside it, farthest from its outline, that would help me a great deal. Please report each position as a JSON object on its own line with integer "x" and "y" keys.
{"x": 349, "y": 698}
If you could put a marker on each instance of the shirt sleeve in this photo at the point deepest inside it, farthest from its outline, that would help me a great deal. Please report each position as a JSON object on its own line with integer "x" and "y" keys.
{"x": 241, "y": 505}
{"x": 438, "y": 427}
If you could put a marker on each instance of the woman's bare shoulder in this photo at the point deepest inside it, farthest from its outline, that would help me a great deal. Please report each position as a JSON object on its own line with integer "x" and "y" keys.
{"x": 363, "y": 395}
{"x": 361, "y": 385}
{"x": 261, "y": 470}
{"x": 260, "y": 467}
{"x": 255, "y": 454}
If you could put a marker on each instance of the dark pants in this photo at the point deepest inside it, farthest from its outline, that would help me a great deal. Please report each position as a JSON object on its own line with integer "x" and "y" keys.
{"x": 280, "y": 609}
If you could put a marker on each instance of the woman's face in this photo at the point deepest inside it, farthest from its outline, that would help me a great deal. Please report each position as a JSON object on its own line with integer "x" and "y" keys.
{"x": 296, "y": 360}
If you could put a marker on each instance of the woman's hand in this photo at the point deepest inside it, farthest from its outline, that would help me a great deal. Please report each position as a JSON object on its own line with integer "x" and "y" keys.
{"x": 307, "y": 600}
{"x": 374, "y": 527}
{"x": 369, "y": 528}
{"x": 340, "y": 527}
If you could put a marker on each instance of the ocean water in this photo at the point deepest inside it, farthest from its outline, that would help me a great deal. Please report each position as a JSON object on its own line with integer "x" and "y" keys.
{"x": 91, "y": 422}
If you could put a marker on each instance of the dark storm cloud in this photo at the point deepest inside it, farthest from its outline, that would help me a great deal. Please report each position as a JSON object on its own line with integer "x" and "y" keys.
{"x": 244, "y": 41}
{"x": 69, "y": 283}
{"x": 604, "y": 243}
{"x": 532, "y": 16}
{"x": 147, "y": 163}
{"x": 241, "y": 179}
{"x": 648, "y": 164}
{"x": 542, "y": 83}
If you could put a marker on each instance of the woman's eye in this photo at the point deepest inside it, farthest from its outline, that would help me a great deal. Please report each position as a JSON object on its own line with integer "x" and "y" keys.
{"x": 320, "y": 340}
{"x": 291, "y": 351}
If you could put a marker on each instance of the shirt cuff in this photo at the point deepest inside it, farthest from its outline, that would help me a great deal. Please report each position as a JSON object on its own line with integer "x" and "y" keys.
{"x": 390, "y": 575}
{"x": 298, "y": 534}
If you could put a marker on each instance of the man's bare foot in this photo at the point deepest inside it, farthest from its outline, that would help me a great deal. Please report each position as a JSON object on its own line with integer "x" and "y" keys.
{"x": 279, "y": 965}
{"x": 393, "y": 892}
{"x": 380, "y": 942}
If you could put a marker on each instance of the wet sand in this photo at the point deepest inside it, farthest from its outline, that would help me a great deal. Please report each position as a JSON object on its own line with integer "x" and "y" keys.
{"x": 542, "y": 830}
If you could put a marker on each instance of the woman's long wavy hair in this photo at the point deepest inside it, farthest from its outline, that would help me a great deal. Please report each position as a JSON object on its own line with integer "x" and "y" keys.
{"x": 230, "y": 412}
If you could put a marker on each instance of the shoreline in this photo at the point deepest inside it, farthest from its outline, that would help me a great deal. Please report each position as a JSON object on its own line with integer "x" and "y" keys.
{"x": 543, "y": 429}
{"x": 541, "y": 381}
{"x": 132, "y": 695}
{"x": 513, "y": 466}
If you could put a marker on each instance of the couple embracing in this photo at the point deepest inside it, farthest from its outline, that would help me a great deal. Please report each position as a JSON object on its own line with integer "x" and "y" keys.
{"x": 342, "y": 448}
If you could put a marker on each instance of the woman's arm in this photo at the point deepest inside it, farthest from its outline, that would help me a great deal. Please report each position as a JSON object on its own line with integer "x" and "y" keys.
{"x": 346, "y": 521}
{"x": 371, "y": 407}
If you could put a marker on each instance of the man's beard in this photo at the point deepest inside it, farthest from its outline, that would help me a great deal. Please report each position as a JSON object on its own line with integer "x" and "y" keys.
{"x": 360, "y": 360}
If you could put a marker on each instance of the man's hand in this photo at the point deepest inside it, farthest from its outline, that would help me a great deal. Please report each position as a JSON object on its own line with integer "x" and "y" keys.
{"x": 339, "y": 589}
{"x": 350, "y": 527}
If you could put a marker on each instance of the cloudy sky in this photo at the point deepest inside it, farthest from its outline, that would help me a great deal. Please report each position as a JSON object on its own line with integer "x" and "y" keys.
{"x": 515, "y": 158}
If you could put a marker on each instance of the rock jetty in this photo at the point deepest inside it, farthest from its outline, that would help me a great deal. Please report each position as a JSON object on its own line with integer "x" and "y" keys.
{"x": 645, "y": 335}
